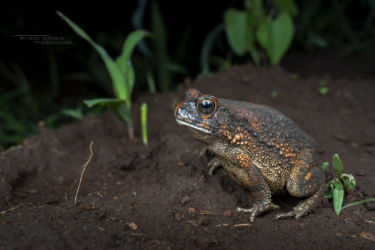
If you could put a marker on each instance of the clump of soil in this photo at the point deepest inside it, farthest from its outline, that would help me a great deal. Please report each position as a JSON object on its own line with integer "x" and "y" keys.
{"x": 161, "y": 196}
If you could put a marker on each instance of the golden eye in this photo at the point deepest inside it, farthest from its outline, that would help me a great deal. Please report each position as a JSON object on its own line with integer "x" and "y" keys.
{"x": 206, "y": 106}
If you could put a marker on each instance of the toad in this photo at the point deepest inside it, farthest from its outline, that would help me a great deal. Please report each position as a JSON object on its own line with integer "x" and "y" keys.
{"x": 259, "y": 147}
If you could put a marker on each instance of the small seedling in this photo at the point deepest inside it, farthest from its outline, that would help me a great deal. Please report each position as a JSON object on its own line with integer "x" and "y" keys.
{"x": 294, "y": 76}
{"x": 121, "y": 72}
{"x": 274, "y": 94}
{"x": 335, "y": 187}
{"x": 144, "y": 123}
{"x": 323, "y": 90}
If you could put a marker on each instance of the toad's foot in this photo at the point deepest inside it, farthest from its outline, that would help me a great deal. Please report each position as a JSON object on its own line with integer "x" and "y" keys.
{"x": 305, "y": 207}
{"x": 214, "y": 164}
{"x": 258, "y": 208}
{"x": 296, "y": 213}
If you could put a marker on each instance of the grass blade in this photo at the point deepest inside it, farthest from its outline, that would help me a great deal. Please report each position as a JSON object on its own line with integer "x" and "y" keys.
{"x": 118, "y": 79}
{"x": 130, "y": 43}
{"x": 358, "y": 203}
{"x": 102, "y": 101}
{"x": 207, "y": 47}
{"x": 160, "y": 46}
{"x": 144, "y": 123}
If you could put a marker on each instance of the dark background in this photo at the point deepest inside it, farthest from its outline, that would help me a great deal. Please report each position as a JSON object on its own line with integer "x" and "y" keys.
{"x": 342, "y": 31}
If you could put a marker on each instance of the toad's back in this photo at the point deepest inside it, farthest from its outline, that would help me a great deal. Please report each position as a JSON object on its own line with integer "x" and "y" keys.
{"x": 267, "y": 127}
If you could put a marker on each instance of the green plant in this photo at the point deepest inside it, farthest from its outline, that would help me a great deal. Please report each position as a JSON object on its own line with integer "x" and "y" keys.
{"x": 121, "y": 72}
{"x": 335, "y": 188}
{"x": 337, "y": 24}
{"x": 144, "y": 122}
{"x": 159, "y": 62}
{"x": 259, "y": 26}
{"x": 323, "y": 90}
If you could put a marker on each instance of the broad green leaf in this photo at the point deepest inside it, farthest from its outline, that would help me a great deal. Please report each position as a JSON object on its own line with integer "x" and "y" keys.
{"x": 130, "y": 43}
{"x": 337, "y": 163}
{"x": 118, "y": 80}
{"x": 282, "y": 32}
{"x": 255, "y": 9}
{"x": 238, "y": 31}
{"x": 338, "y": 197}
{"x": 288, "y": 6}
{"x": 324, "y": 165}
{"x": 349, "y": 180}
{"x": 263, "y": 33}
{"x": 103, "y": 102}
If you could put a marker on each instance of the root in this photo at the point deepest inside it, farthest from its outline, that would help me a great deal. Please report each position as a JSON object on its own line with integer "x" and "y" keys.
{"x": 84, "y": 166}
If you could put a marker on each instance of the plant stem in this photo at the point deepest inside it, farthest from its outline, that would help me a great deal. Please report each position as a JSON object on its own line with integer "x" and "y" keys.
{"x": 131, "y": 130}
{"x": 357, "y": 203}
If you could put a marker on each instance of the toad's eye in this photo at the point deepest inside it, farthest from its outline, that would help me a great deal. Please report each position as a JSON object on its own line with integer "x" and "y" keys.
{"x": 206, "y": 106}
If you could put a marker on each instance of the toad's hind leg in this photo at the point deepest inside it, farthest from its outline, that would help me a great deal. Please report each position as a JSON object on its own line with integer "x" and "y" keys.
{"x": 305, "y": 181}
{"x": 259, "y": 191}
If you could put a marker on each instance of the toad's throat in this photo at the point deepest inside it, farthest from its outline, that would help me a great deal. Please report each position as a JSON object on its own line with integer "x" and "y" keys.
{"x": 183, "y": 123}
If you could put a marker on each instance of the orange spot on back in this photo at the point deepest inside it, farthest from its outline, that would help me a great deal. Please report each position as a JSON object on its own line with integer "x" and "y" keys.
{"x": 308, "y": 176}
{"x": 255, "y": 124}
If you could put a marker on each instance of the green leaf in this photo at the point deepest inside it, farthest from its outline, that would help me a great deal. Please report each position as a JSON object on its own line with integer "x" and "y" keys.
{"x": 238, "y": 31}
{"x": 118, "y": 79}
{"x": 282, "y": 32}
{"x": 172, "y": 66}
{"x": 74, "y": 113}
{"x": 130, "y": 43}
{"x": 329, "y": 191}
{"x": 255, "y": 9}
{"x": 117, "y": 106}
{"x": 207, "y": 47}
{"x": 130, "y": 79}
{"x": 103, "y": 102}
{"x": 323, "y": 90}
{"x": 263, "y": 33}
{"x": 349, "y": 180}
{"x": 288, "y": 6}
{"x": 358, "y": 203}
{"x": 324, "y": 165}
{"x": 338, "y": 197}
{"x": 160, "y": 44}
{"x": 150, "y": 81}
{"x": 122, "y": 111}
{"x": 337, "y": 163}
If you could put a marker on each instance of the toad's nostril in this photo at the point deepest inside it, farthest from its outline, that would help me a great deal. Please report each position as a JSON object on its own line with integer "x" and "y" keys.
{"x": 178, "y": 106}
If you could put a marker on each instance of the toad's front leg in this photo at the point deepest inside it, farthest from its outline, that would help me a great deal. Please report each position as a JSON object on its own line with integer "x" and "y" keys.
{"x": 258, "y": 188}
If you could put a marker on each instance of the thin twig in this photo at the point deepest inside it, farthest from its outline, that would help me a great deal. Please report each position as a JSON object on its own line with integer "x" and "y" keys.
{"x": 83, "y": 170}
{"x": 11, "y": 209}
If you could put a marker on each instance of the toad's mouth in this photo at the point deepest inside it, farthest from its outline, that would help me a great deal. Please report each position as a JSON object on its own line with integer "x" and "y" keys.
{"x": 196, "y": 127}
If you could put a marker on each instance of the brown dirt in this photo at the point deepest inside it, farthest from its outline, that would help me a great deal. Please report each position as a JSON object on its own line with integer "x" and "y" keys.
{"x": 161, "y": 196}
